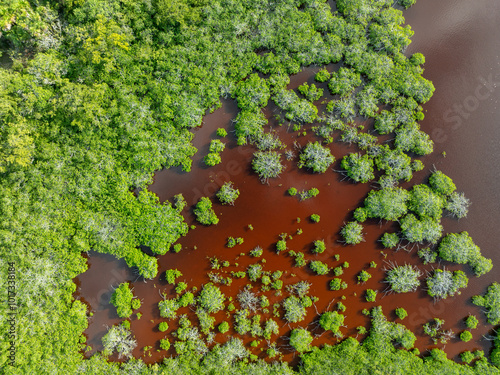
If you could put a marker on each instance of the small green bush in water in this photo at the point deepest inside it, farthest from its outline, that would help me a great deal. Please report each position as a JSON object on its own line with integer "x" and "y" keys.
{"x": 316, "y": 157}
{"x": 301, "y": 340}
{"x": 227, "y": 193}
{"x": 204, "y": 212}
{"x": 403, "y": 279}
{"x": 122, "y": 300}
{"x": 352, "y": 233}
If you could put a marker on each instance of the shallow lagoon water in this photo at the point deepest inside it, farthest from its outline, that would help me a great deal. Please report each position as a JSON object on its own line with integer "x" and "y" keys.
{"x": 459, "y": 41}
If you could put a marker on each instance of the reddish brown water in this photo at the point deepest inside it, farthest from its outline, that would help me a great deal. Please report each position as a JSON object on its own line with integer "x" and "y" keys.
{"x": 460, "y": 43}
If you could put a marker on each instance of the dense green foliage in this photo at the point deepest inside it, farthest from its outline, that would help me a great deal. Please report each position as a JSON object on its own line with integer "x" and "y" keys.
{"x": 491, "y": 302}
{"x": 466, "y": 336}
{"x": 443, "y": 283}
{"x": 211, "y": 298}
{"x": 322, "y": 75}
{"x": 352, "y": 233}
{"x": 221, "y": 132}
{"x": 495, "y": 353}
{"x": 301, "y": 339}
{"x": 319, "y": 268}
{"x": 471, "y": 322}
{"x": 163, "y": 326}
{"x": 213, "y": 157}
{"x": 401, "y": 313}
{"x": 403, "y": 279}
{"x": 459, "y": 248}
{"x": 388, "y": 204}
{"x": 164, "y": 344}
{"x": 319, "y": 247}
{"x": 337, "y": 284}
{"x": 344, "y": 81}
{"x": 311, "y": 93}
{"x": 223, "y": 327}
{"x": 420, "y": 230}
{"x": 378, "y": 354}
{"x": 168, "y": 308}
{"x": 358, "y": 167}
{"x": 389, "y": 240}
{"x": 331, "y": 321}
{"x": 267, "y": 164}
{"x": 371, "y": 295}
{"x": 441, "y": 183}
{"x": 122, "y": 300}
{"x": 101, "y": 94}
{"x": 227, "y": 194}
{"x": 316, "y": 157}
{"x": 363, "y": 276}
{"x": 425, "y": 202}
{"x": 204, "y": 212}
{"x": 315, "y": 218}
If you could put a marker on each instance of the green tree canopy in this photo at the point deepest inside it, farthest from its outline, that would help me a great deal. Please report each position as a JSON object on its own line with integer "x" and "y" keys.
{"x": 227, "y": 194}
{"x": 425, "y": 202}
{"x": 420, "y": 230}
{"x": 211, "y": 298}
{"x": 331, "y": 321}
{"x": 460, "y": 248}
{"x": 388, "y": 204}
{"x": 352, "y": 233}
{"x": 359, "y": 168}
{"x": 267, "y": 164}
{"x": 316, "y": 157}
{"x": 204, "y": 212}
{"x": 301, "y": 339}
{"x": 441, "y": 183}
{"x": 344, "y": 81}
{"x": 403, "y": 279}
{"x": 491, "y": 302}
{"x": 444, "y": 283}
{"x": 252, "y": 93}
{"x": 122, "y": 300}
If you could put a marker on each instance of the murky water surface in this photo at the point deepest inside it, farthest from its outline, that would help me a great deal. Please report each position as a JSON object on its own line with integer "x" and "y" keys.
{"x": 460, "y": 42}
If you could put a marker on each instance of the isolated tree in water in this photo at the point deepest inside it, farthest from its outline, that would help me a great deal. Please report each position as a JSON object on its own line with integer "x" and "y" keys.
{"x": 359, "y": 168}
{"x": 227, "y": 193}
{"x": 458, "y": 205}
{"x": 267, "y": 164}
{"x": 204, "y": 212}
{"x": 122, "y": 300}
{"x": 316, "y": 157}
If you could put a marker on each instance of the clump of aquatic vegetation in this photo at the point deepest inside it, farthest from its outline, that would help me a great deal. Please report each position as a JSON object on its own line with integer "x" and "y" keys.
{"x": 402, "y": 279}
{"x": 214, "y": 157}
{"x": 205, "y": 213}
{"x": 228, "y": 194}
{"x": 102, "y": 94}
{"x": 491, "y": 302}
{"x": 303, "y": 194}
{"x": 123, "y": 299}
